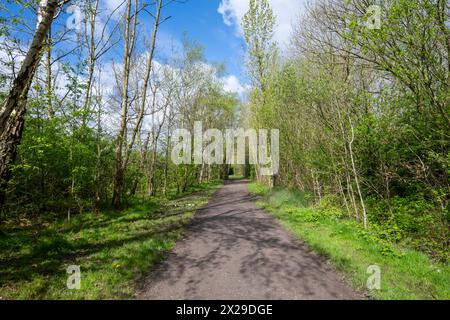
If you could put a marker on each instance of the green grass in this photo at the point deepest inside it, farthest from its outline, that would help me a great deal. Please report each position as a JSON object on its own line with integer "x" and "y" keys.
{"x": 114, "y": 249}
{"x": 405, "y": 273}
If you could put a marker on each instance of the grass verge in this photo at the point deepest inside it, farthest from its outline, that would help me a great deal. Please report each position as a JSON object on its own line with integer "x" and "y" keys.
{"x": 113, "y": 249}
{"x": 405, "y": 273}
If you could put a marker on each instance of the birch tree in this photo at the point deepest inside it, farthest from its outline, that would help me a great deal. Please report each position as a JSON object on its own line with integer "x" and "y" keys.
{"x": 130, "y": 33}
{"x": 12, "y": 113}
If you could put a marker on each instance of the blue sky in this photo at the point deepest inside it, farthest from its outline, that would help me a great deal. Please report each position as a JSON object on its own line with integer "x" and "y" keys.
{"x": 203, "y": 23}
{"x": 213, "y": 23}
{"x": 216, "y": 25}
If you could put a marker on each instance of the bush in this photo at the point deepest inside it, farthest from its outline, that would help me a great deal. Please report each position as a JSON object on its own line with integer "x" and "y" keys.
{"x": 413, "y": 221}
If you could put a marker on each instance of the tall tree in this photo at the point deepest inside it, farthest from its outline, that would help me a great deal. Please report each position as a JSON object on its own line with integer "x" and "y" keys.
{"x": 129, "y": 45}
{"x": 121, "y": 160}
{"x": 258, "y": 24}
{"x": 12, "y": 113}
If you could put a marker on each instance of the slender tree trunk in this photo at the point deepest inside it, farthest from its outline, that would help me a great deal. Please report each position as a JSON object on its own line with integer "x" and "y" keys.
{"x": 148, "y": 72}
{"x": 87, "y": 97}
{"x": 202, "y": 170}
{"x": 128, "y": 48}
{"x": 72, "y": 186}
{"x": 166, "y": 162}
{"x": 48, "y": 81}
{"x": 341, "y": 190}
{"x": 355, "y": 172}
{"x": 142, "y": 162}
{"x": 18, "y": 93}
{"x": 351, "y": 195}
{"x": 346, "y": 166}
{"x": 156, "y": 135}
{"x": 122, "y": 163}
{"x": 9, "y": 142}
{"x": 97, "y": 174}
{"x": 12, "y": 113}
{"x": 151, "y": 182}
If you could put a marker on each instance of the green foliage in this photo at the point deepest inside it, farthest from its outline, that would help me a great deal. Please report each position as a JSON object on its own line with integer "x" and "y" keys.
{"x": 364, "y": 126}
{"x": 114, "y": 249}
{"x": 412, "y": 221}
{"x": 259, "y": 189}
{"x": 66, "y": 159}
{"x": 331, "y": 205}
{"x": 258, "y": 24}
{"x": 405, "y": 273}
{"x": 55, "y": 164}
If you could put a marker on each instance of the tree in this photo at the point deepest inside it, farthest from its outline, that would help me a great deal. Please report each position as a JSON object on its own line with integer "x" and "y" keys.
{"x": 13, "y": 109}
{"x": 258, "y": 24}
{"x": 129, "y": 44}
{"x": 362, "y": 114}
{"x": 121, "y": 161}
{"x": 70, "y": 146}
{"x": 97, "y": 46}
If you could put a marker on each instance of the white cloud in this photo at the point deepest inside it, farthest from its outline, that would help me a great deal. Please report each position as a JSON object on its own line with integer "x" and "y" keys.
{"x": 112, "y": 5}
{"x": 286, "y": 11}
{"x": 232, "y": 11}
{"x": 232, "y": 84}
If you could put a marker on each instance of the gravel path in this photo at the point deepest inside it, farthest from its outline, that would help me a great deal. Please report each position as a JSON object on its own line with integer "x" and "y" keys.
{"x": 233, "y": 250}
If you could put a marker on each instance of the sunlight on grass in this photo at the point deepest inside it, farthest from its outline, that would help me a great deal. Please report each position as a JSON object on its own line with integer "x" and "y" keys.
{"x": 405, "y": 273}
{"x": 113, "y": 249}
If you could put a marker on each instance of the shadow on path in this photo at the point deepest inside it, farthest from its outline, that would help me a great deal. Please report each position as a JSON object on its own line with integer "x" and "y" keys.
{"x": 233, "y": 250}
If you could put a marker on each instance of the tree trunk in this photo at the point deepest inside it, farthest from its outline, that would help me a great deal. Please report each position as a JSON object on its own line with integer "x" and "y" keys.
{"x": 202, "y": 171}
{"x": 151, "y": 178}
{"x": 142, "y": 162}
{"x": 355, "y": 172}
{"x": 166, "y": 163}
{"x": 148, "y": 72}
{"x": 9, "y": 141}
{"x": 12, "y": 113}
{"x": 48, "y": 81}
{"x": 129, "y": 44}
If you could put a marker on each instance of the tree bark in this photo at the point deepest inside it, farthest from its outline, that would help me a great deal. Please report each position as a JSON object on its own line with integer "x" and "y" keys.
{"x": 129, "y": 44}
{"x": 12, "y": 113}
{"x": 355, "y": 172}
{"x": 48, "y": 81}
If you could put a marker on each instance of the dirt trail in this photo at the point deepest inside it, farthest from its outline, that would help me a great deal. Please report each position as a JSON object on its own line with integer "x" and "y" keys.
{"x": 233, "y": 250}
